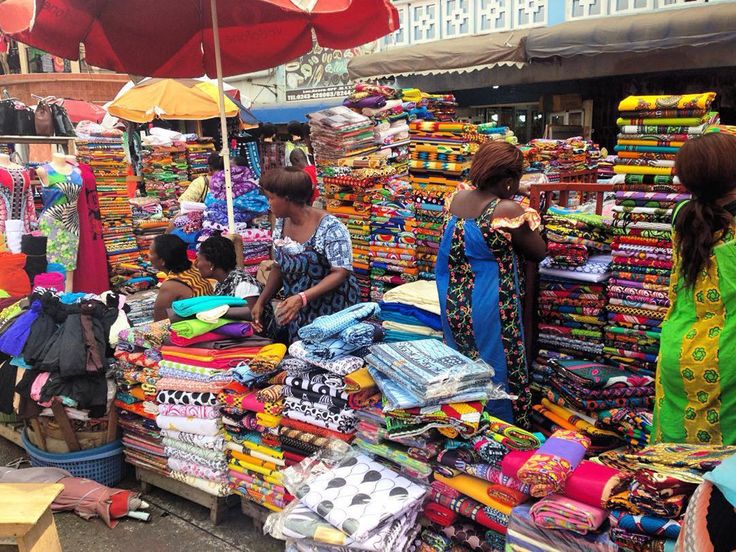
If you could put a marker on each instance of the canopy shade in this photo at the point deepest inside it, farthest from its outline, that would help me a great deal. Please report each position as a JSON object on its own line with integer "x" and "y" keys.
{"x": 179, "y": 99}
{"x": 289, "y": 111}
{"x": 710, "y": 25}
{"x": 456, "y": 55}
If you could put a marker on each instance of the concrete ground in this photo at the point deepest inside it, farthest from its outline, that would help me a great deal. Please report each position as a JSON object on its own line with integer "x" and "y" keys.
{"x": 176, "y": 524}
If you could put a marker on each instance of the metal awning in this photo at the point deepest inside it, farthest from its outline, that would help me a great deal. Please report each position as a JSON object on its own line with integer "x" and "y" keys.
{"x": 456, "y": 55}
{"x": 711, "y": 25}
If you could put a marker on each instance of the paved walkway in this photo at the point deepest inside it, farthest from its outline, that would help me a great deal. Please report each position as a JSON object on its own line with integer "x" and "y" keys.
{"x": 175, "y": 525}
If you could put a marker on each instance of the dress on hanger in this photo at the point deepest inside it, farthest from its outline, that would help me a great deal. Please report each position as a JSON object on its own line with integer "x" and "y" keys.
{"x": 59, "y": 219}
{"x": 91, "y": 275}
{"x": 16, "y": 205}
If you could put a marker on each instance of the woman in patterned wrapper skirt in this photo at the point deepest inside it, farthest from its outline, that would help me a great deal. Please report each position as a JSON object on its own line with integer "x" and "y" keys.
{"x": 479, "y": 273}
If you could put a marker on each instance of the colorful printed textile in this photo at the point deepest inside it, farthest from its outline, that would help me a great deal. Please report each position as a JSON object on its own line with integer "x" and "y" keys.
{"x": 558, "y": 512}
{"x": 547, "y": 469}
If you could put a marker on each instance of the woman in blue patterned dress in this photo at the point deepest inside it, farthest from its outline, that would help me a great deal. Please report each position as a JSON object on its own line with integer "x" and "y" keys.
{"x": 479, "y": 270}
{"x": 313, "y": 254}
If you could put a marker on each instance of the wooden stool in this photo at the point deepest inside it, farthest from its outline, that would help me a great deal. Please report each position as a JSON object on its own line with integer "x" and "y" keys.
{"x": 25, "y": 516}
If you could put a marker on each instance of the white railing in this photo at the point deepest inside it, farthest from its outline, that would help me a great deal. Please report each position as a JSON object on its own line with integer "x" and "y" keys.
{"x": 428, "y": 20}
{"x": 583, "y": 9}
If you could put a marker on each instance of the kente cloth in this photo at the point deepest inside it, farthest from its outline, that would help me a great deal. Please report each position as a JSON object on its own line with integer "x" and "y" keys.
{"x": 559, "y": 512}
{"x": 475, "y": 488}
{"x": 148, "y": 336}
{"x": 700, "y": 101}
{"x": 646, "y": 525}
{"x": 463, "y": 418}
{"x": 485, "y": 516}
{"x": 328, "y": 326}
{"x": 708, "y": 523}
{"x": 524, "y": 535}
{"x": 505, "y": 489}
{"x": 359, "y": 494}
{"x": 548, "y": 468}
{"x": 397, "y": 455}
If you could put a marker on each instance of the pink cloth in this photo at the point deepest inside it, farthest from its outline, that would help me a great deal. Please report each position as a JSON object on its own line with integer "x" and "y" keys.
{"x": 559, "y": 512}
{"x": 192, "y": 410}
{"x": 50, "y": 280}
{"x": 36, "y": 387}
{"x": 91, "y": 275}
{"x": 186, "y": 342}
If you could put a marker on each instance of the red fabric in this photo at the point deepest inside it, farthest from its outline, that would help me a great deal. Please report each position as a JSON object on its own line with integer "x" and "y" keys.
{"x": 13, "y": 277}
{"x": 79, "y": 110}
{"x": 254, "y": 35}
{"x": 311, "y": 170}
{"x": 91, "y": 274}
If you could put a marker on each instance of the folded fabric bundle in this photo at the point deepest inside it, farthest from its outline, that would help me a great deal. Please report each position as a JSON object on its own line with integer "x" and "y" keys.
{"x": 646, "y": 525}
{"x": 214, "y": 488}
{"x": 368, "y": 503}
{"x": 190, "y": 307}
{"x": 189, "y": 385}
{"x": 450, "y": 419}
{"x": 189, "y": 329}
{"x": 513, "y": 489}
{"x": 268, "y": 359}
{"x": 196, "y": 470}
{"x": 485, "y": 516}
{"x": 199, "y": 426}
{"x": 188, "y": 410}
{"x": 475, "y": 488}
{"x": 512, "y": 437}
{"x": 549, "y": 467}
{"x": 213, "y": 442}
{"x": 558, "y": 512}
{"x": 318, "y": 381}
{"x": 187, "y": 398}
{"x": 339, "y": 420}
{"x": 147, "y": 336}
{"x": 340, "y": 366}
{"x": 325, "y": 327}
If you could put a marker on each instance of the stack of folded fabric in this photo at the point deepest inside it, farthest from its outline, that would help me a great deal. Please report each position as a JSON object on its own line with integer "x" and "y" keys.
{"x": 141, "y": 307}
{"x": 648, "y": 515}
{"x": 353, "y": 502}
{"x": 164, "y": 169}
{"x": 440, "y": 160}
{"x": 605, "y": 168}
{"x": 580, "y": 395}
{"x": 652, "y": 129}
{"x": 572, "y": 285}
{"x": 188, "y": 225}
{"x": 257, "y": 243}
{"x": 149, "y": 221}
{"x": 392, "y": 243}
{"x": 248, "y": 201}
{"x": 437, "y": 107}
{"x": 411, "y": 312}
{"x": 561, "y": 157}
{"x": 489, "y": 132}
{"x": 331, "y": 344}
{"x": 340, "y": 132}
{"x": 106, "y": 157}
{"x": 207, "y": 341}
{"x": 137, "y": 355}
{"x": 252, "y": 407}
{"x": 198, "y": 152}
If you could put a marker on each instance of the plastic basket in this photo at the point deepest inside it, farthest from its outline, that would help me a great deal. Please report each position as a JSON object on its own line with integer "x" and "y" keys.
{"x": 102, "y": 464}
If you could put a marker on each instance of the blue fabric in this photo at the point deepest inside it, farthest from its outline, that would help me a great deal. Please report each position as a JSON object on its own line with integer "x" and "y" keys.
{"x": 485, "y": 312}
{"x": 396, "y": 336}
{"x": 325, "y": 327}
{"x": 409, "y": 314}
{"x": 71, "y": 298}
{"x": 190, "y": 307}
{"x": 14, "y": 338}
{"x": 360, "y": 335}
{"x": 724, "y": 477}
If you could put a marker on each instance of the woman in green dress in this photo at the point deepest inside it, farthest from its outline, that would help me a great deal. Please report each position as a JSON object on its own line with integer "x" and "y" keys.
{"x": 696, "y": 377}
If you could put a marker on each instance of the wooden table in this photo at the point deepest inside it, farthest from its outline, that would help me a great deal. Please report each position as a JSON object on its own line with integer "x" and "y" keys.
{"x": 25, "y": 516}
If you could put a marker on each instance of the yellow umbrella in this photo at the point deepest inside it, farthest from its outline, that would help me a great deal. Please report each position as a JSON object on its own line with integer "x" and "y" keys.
{"x": 183, "y": 99}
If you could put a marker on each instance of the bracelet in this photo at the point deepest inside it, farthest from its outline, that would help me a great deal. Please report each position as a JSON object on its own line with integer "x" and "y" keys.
{"x": 304, "y": 298}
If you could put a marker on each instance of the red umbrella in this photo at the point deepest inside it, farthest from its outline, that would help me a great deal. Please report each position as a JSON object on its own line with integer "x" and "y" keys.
{"x": 79, "y": 110}
{"x": 181, "y": 38}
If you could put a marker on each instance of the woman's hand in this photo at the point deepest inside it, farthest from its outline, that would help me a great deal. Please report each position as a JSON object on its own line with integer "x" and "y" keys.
{"x": 288, "y": 310}
{"x": 257, "y": 317}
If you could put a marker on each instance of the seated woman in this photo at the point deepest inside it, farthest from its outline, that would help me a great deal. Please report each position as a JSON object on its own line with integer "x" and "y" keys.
{"x": 479, "y": 267}
{"x": 169, "y": 254}
{"x": 221, "y": 259}
{"x": 313, "y": 255}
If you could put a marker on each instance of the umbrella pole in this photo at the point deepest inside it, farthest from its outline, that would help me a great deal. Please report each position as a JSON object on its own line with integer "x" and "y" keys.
{"x": 223, "y": 121}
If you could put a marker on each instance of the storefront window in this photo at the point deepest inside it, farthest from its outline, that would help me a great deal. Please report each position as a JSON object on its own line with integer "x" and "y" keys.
{"x": 42, "y": 62}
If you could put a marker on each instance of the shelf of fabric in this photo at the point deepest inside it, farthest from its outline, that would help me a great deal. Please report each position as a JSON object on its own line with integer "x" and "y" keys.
{"x": 197, "y": 155}
{"x": 165, "y": 171}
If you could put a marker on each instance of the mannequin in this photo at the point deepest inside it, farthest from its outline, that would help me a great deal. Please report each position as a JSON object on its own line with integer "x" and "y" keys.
{"x": 59, "y": 222}
{"x": 17, "y": 212}
{"x": 72, "y": 160}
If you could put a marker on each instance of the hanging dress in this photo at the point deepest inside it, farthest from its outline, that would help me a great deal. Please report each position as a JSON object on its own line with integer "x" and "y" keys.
{"x": 59, "y": 219}
{"x": 695, "y": 393}
{"x": 17, "y": 212}
{"x": 481, "y": 293}
{"x": 305, "y": 265}
{"x": 91, "y": 275}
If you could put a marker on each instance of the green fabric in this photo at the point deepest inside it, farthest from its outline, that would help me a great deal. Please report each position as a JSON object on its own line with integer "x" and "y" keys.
{"x": 726, "y": 259}
{"x": 189, "y": 329}
{"x": 190, "y": 307}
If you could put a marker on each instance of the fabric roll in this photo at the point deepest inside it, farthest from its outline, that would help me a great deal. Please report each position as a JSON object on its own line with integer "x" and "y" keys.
{"x": 558, "y": 512}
